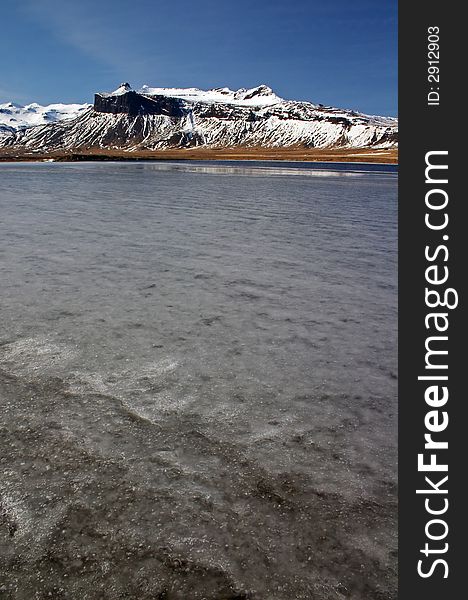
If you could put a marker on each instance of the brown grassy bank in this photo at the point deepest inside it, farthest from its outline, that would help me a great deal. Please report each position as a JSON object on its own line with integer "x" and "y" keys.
{"x": 366, "y": 155}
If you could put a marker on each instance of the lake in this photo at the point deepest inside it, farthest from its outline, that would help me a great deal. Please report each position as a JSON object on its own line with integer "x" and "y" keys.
{"x": 198, "y": 380}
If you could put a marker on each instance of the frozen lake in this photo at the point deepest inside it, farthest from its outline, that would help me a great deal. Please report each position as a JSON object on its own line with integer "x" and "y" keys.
{"x": 198, "y": 381}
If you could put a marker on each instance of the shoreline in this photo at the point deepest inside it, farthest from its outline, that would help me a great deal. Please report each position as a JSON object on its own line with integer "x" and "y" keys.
{"x": 353, "y": 155}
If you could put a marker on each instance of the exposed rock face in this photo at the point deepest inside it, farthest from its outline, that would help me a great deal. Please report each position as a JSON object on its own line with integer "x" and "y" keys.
{"x": 133, "y": 104}
{"x": 159, "y": 118}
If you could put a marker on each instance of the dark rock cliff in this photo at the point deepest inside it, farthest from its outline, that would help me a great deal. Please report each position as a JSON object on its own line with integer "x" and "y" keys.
{"x": 133, "y": 104}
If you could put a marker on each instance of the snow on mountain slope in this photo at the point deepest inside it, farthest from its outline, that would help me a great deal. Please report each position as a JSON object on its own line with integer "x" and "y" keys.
{"x": 255, "y": 97}
{"x": 158, "y": 118}
{"x": 14, "y": 116}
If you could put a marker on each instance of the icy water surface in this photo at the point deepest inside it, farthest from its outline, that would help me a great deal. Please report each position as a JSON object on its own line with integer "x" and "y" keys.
{"x": 197, "y": 382}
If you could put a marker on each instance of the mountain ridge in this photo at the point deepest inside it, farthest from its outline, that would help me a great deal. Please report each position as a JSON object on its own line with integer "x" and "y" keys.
{"x": 166, "y": 118}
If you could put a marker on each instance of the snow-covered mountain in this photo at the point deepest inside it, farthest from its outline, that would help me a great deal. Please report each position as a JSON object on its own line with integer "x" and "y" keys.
{"x": 14, "y": 116}
{"x": 159, "y": 118}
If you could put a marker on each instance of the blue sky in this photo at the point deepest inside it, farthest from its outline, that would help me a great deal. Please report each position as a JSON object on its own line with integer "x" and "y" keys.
{"x": 337, "y": 52}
